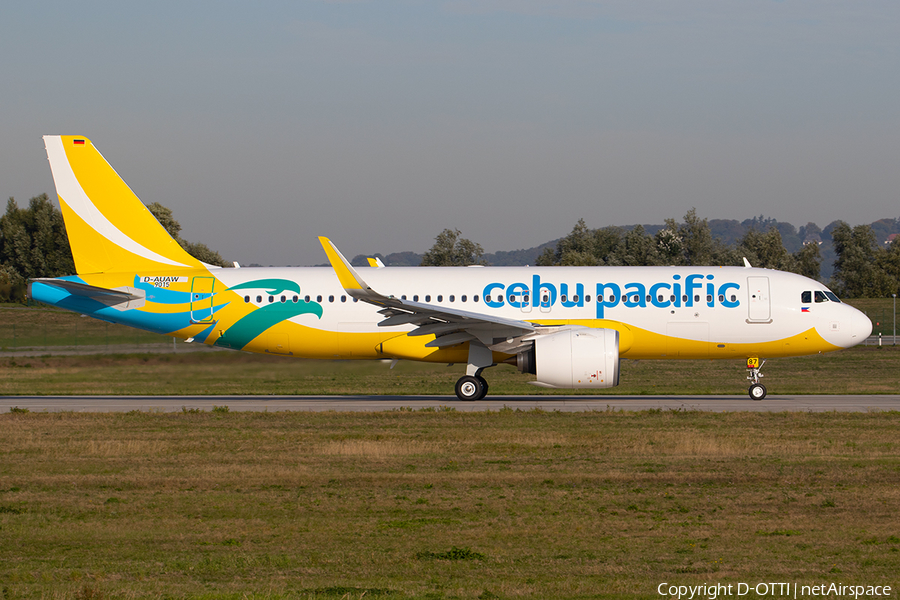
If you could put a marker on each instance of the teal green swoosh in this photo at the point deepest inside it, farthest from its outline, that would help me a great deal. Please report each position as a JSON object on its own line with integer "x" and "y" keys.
{"x": 241, "y": 333}
{"x": 272, "y": 286}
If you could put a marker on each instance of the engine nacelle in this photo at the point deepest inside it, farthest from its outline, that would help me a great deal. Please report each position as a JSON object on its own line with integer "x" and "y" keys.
{"x": 580, "y": 357}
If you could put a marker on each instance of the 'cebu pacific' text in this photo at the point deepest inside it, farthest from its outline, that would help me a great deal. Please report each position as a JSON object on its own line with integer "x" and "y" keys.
{"x": 693, "y": 290}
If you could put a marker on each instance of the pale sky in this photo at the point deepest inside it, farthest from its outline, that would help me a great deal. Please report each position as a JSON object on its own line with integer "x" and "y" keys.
{"x": 263, "y": 125}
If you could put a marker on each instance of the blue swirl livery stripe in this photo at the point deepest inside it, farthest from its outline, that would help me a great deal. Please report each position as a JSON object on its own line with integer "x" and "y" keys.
{"x": 272, "y": 286}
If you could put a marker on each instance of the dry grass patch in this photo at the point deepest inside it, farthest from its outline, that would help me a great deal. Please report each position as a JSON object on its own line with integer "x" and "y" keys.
{"x": 550, "y": 505}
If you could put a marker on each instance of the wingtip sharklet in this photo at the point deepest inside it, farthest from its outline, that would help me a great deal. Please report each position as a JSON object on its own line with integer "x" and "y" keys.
{"x": 347, "y": 275}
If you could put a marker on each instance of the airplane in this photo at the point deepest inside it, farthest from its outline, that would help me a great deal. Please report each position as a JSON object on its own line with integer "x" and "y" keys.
{"x": 568, "y": 326}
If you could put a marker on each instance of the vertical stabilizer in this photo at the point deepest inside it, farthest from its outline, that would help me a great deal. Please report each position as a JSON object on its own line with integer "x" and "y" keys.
{"x": 109, "y": 228}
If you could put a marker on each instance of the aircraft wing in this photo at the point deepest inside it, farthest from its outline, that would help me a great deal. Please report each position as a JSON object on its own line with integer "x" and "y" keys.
{"x": 449, "y": 326}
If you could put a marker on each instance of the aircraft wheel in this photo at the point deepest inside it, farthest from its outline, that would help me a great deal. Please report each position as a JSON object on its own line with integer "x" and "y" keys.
{"x": 470, "y": 388}
{"x": 484, "y": 385}
{"x": 757, "y": 391}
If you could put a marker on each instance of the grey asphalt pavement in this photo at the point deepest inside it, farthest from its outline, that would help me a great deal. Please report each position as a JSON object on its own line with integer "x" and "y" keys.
{"x": 773, "y": 403}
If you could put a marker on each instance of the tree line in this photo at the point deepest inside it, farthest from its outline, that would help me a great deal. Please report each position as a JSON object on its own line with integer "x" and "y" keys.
{"x": 33, "y": 243}
{"x": 862, "y": 268}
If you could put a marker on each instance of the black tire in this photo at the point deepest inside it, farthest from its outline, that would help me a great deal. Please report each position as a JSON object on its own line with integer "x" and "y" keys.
{"x": 484, "y": 385}
{"x": 469, "y": 388}
{"x": 757, "y": 391}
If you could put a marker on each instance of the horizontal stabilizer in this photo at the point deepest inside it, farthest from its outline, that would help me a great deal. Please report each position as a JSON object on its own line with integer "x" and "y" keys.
{"x": 131, "y": 297}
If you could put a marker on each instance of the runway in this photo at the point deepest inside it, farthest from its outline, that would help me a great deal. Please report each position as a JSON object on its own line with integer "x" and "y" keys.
{"x": 774, "y": 403}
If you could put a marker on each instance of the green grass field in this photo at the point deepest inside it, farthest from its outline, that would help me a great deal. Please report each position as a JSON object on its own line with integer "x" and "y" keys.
{"x": 860, "y": 370}
{"x": 442, "y": 504}
{"x": 43, "y": 326}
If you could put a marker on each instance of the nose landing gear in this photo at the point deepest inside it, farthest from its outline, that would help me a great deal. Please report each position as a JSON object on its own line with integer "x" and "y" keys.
{"x": 757, "y": 390}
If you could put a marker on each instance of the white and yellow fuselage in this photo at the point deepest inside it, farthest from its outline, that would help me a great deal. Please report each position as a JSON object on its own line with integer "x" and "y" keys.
{"x": 313, "y": 312}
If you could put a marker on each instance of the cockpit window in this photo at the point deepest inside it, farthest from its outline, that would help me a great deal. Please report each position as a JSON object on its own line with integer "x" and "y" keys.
{"x": 820, "y": 296}
{"x": 832, "y": 296}
{"x": 806, "y": 297}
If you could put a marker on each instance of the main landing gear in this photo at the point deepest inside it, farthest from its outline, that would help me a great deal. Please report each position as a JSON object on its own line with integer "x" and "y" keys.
{"x": 472, "y": 386}
{"x": 757, "y": 390}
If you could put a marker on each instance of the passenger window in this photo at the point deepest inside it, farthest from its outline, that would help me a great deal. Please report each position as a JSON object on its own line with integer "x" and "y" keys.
{"x": 511, "y": 298}
{"x": 562, "y": 298}
{"x": 733, "y": 298}
{"x": 246, "y": 298}
{"x": 463, "y": 298}
{"x": 306, "y": 298}
{"x": 721, "y": 297}
{"x": 709, "y": 297}
{"x": 575, "y": 298}
{"x": 259, "y": 299}
{"x": 820, "y": 296}
{"x": 271, "y": 299}
{"x": 649, "y": 298}
{"x": 343, "y": 298}
{"x": 659, "y": 298}
{"x": 806, "y": 297}
{"x": 318, "y": 298}
{"x": 586, "y": 298}
{"x": 403, "y": 297}
{"x": 331, "y": 298}
{"x": 295, "y": 299}
{"x": 475, "y": 298}
{"x": 452, "y": 298}
{"x": 283, "y": 299}
{"x": 415, "y": 298}
{"x": 546, "y": 298}
{"x": 440, "y": 298}
{"x": 427, "y": 297}
{"x": 684, "y": 298}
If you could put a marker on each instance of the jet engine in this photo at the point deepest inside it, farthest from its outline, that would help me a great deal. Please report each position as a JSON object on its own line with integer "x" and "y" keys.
{"x": 579, "y": 357}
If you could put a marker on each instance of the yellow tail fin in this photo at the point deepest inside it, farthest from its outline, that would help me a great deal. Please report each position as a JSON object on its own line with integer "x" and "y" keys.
{"x": 109, "y": 228}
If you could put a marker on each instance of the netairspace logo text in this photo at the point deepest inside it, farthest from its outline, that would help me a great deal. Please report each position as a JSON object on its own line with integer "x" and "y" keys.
{"x": 773, "y": 590}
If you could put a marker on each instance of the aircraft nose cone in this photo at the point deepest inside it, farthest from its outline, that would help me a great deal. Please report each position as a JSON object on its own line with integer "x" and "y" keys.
{"x": 860, "y": 326}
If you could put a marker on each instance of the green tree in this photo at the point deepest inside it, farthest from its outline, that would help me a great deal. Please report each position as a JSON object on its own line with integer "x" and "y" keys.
{"x": 809, "y": 259}
{"x": 451, "y": 250}
{"x": 638, "y": 248}
{"x": 889, "y": 263}
{"x": 577, "y": 248}
{"x": 857, "y": 270}
{"x": 698, "y": 246}
{"x": 669, "y": 245}
{"x": 199, "y": 251}
{"x": 608, "y": 246}
{"x": 33, "y": 240}
{"x": 765, "y": 250}
{"x": 12, "y": 285}
{"x": 585, "y": 247}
